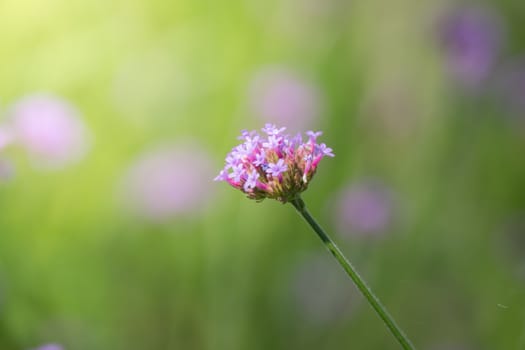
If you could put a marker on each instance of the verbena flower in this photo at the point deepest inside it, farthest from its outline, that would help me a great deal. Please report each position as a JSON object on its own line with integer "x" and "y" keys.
{"x": 279, "y": 166}
{"x": 275, "y": 166}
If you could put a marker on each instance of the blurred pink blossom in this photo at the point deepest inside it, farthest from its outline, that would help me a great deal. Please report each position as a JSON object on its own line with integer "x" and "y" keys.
{"x": 280, "y": 96}
{"x": 169, "y": 181}
{"x": 472, "y": 38}
{"x": 50, "y": 129}
{"x": 364, "y": 208}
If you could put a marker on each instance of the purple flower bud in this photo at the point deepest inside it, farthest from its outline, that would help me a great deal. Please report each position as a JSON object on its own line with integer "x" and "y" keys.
{"x": 281, "y": 96}
{"x": 472, "y": 38}
{"x": 50, "y": 129}
{"x": 278, "y": 166}
{"x": 364, "y": 208}
{"x": 169, "y": 181}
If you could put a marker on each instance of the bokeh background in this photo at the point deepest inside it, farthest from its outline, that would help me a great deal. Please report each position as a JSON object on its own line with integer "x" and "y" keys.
{"x": 115, "y": 116}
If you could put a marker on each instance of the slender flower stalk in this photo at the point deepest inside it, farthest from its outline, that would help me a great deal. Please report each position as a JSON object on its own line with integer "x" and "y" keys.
{"x": 300, "y": 206}
{"x": 281, "y": 167}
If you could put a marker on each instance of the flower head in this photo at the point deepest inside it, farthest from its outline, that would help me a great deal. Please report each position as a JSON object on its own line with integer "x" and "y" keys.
{"x": 274, "y": 166}
{"x": 365, "y": 208}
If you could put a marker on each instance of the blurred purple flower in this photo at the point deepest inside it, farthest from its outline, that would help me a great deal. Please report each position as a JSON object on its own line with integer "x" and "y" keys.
{"x": 50, "y": 129}
{"x": 50, "y": 347}
{"x": 472, "y": 38}
{"x": 364, "y": 208}
{"x": 169, "y": 181}
{"x": 282, "y": 97}
{"x": 321, "y": 292}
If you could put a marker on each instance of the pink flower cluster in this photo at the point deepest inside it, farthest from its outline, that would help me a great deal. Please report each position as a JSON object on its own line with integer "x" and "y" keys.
{"x": 276, "y": 166}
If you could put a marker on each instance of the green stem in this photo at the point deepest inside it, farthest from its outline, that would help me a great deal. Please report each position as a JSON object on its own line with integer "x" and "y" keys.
{"x": 298, "y": 203}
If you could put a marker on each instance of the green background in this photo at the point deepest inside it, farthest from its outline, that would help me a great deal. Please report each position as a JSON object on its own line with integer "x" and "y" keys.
{"x": 77, "y": 271}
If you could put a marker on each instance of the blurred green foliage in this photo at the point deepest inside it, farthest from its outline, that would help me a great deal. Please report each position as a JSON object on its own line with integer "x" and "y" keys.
{"x": 77, "y": 271}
